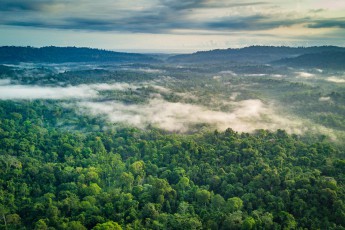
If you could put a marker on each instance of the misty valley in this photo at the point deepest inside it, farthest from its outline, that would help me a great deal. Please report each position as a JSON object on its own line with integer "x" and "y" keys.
{"x": 248, "y": 138}
{"x": 185, "y": 98}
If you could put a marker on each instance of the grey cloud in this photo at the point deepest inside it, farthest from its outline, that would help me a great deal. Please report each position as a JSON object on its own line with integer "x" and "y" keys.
{"x": 165, "y": 23}
{"x": 27, "y": 5}
{"x": 38, "y": 5}
{"x": 11, "y": 6}
{"x": 328, "y": 23}
{"x": 255, "y": 22}
{"x": 317, "y": 10}
{"x": 244, "y": 4}
{"x": 237, "y": 23}
{"x": 30, "y": 24}
{"x": 164, "y": 17}
{"x": 194, "y": 4}
{"x": 182, "y": 5}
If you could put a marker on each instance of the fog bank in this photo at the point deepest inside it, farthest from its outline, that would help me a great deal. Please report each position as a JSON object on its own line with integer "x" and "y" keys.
{"x": 335, "y": 80}
{"x": 247, "y": 115}
{"x": 31, "y": 92}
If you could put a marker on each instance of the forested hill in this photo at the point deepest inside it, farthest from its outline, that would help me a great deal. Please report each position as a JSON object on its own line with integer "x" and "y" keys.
{"x": 330, "y": 59}
{"x": 252, "y": 54}
{"x": 132, "y": 179}
{"x": 52, "y": 54}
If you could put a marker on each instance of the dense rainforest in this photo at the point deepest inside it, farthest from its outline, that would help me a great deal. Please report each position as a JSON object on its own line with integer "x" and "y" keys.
{"x": 126, "y": 178}
{"x": 103, "y": 144}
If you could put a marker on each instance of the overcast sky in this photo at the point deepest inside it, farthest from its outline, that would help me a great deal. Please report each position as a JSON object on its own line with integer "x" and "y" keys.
{"x": 172, "y": 25}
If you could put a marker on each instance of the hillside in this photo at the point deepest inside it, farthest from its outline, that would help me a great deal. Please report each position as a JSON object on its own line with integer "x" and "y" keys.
{"x": 252, "y": 54}
{"x": 330, "y": 59}
{"x": 97, "y": 145}
{"x": 51, "y": 54}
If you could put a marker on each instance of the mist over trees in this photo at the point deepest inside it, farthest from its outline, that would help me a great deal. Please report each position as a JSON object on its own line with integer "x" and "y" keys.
{"x": 127, "y": 178}
{"x": 137, "y": 145}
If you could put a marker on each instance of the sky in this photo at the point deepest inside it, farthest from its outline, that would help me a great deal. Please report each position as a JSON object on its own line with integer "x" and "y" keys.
{"x": 171, "y": 25}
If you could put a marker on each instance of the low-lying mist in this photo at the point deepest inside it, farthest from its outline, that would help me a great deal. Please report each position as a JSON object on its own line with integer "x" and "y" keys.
{"x": 246, "y": 115}
{"x": 32, "y": 92}
{"x": 336, "y": 80}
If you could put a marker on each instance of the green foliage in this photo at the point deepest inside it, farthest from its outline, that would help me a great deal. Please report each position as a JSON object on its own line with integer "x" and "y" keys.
{"x": 110, "y": 225}
{"x": 149, "y": 179}
{"x": 248, "y": 223}
{"x": 203, "y": 196}
{"x": 234, "y": 204}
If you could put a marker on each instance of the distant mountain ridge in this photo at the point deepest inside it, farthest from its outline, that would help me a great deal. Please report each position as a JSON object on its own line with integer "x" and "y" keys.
{"x": 252, "y": 54}
{"x": 329, "y": 59}
{"x": 52, "y": 54}
{"x": 315, "y": 57}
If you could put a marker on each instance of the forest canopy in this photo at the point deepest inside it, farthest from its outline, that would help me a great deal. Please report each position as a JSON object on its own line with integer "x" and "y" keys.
{"x": 133, "y": 179}
{"x": 100, "y": 143}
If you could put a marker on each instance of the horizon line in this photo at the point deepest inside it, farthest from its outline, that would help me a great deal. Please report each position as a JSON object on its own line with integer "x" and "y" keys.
{"x": 169, "y": 51}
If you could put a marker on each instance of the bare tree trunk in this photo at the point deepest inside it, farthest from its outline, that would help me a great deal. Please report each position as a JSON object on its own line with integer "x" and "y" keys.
{"x": 4, "y": 217}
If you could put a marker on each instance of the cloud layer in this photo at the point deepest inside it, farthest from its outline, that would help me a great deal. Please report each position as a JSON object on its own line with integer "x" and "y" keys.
{"x": 247, "y": 115}
{"x": 171, "y": 26}
{"x": 335, "y": 80}
{"x": 167, "y": 16}
{"x": 243, "y": 116}
{"x": 31, "y": 92}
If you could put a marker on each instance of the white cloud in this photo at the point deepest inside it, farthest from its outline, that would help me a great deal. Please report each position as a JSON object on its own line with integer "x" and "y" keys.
{"x": 5, "y": 81}
{"x": 161, "y": 89}
{"x": 150, "y": 70}
{"x": 335, "y": 80}
{"x": 324, "y": 99}
{"x": 24, "y": 92}
{"x": 256, "y": 75}
{"x": 113, "y": 86}
{"x": 234, "y": 95}
{"x": 246, "y": 116}
{"x": 243, "y": 116}
{"x": 228, "y": 72}
{"x": 30, "y": 92}
{"x": 305, "y": 75}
